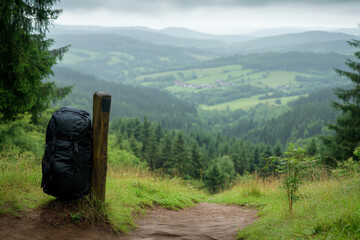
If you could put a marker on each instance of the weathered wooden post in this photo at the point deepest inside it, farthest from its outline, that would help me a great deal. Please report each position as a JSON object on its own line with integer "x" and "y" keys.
{"x": 101, "y": 115}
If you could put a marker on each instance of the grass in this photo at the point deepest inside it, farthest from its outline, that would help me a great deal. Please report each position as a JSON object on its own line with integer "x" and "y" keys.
{"x": 130, "y": 192}
{"x": 20, "y": 181}
{"x": 328, "y": 208}
{"x": 200, "y": 57}
{"x": 280, "y": 78}
{"x": 76, "y": 55}
{"x": 200, "y": 72}
{"x": 247, "y": 103}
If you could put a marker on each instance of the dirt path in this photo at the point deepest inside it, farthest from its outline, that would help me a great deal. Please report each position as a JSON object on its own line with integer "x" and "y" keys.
{"x": 204, "y": 221}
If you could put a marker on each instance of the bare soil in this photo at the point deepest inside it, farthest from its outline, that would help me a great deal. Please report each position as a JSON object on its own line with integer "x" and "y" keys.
{"x": 204, "y": 221}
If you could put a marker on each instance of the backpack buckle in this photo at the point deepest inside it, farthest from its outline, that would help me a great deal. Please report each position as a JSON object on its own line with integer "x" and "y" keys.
{"x": 76, "y": 147}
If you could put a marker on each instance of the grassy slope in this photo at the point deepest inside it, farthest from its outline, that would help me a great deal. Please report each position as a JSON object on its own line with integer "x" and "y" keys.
{"x": 247, "y": 103}
{"x": 328, "y": 208}
{"x": 130, "y": 191}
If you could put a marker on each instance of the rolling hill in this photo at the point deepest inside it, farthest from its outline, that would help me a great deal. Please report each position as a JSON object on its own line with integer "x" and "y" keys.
{"x": 312, "y": 41}
{"x": 114, "y": 57}
{"x": 127, "y": 101}
{"x": 172, "y": 36}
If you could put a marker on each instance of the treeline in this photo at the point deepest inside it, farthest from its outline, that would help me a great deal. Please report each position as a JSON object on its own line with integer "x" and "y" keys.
{"x": 306, "y": 118}
{"x": 127, "y": 101}
{"x": 289, "y": 61}
{"x": 193, "y": 155}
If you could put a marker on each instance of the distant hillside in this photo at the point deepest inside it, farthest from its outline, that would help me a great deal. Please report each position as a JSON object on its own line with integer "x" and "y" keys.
{"x": 306, "y": 119}
{"x": 314, "y": 41}
{"x": 127, "y": 101}
{"x": 115, "y": 57}
{"x": 289, "y": 61}
{"x": 188, "y": 33}
{"x": 266, "y": 32}
{"x": 172, "y": 36}
{"x": 352, "y": 31}
{"x": 114, "y": 42}
{"x": 264, "y": 40}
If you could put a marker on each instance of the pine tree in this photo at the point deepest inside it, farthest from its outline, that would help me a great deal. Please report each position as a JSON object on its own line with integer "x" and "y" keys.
{"x": 253, "y": 165}
{"x": 159, "y": 132}
{"x": 197, "y": 161}
{"x": 145, "y": 134}
{"x": 137, "y": 129}
{"x": 265, "y": 156}
{"x": 239, "y": 159}
{"x": 166, "y": 155}
{"x": 227, "y": 168}
{"x": 25, "y": 58}
{"x": 134, "y": 145}
{"x": 181, "y": 157}
{"x": 347, "y": 126}
{"x": 152, "y": 152}
{"x": 214, "y": 178}
{"x": 278, "y": 150}
{"x": 311, "y": 149}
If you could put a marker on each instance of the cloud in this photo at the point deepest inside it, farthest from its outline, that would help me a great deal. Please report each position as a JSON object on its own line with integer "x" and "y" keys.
{"x": 164, "y": 5}
{"x": 212, "y": 16}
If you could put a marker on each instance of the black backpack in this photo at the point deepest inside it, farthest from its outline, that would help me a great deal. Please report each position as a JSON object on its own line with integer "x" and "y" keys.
{"x": 66, "y": 164}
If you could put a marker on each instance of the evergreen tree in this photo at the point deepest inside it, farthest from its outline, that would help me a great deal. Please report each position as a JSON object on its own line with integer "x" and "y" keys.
{"x": 137, "y": 129}
{"x": 152, "y": 153}
{"x": 311, "y": 148}
{"x": 253, "y": 165}
{"x": 270, "y": 163}
{"x": 145, "y": 134}
{"x": 134, "y": 145}
{"x": 227, "y": 168}
{"x": 25, "y": 58}
{"x": 278, "y": 150}
{"x": 166, "y": 155}
{"x": 181, "y": 157}
{"x": 265, "y": 156}
{"x": 159, "y": 132}
{"x": 347, "y": 126}
{"x": 214, "y": 178}
{"x": 239, "y": 159}
{"x": 197, "y": 161}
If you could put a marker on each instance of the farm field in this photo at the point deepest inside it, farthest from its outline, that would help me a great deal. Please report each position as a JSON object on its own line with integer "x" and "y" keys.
{"x": 233, "y": 86}
{"x": 224, "y": 76}
{"x": 75, "y": 55}
{"x": 247, "y": 103}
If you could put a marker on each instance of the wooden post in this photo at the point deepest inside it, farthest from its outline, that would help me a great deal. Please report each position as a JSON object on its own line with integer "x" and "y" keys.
{"x": 101, "y": 115}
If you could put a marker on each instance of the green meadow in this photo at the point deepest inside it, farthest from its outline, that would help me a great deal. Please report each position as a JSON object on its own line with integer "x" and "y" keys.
{"x": 247, "y": 103}
{"x": 230, "y": 77}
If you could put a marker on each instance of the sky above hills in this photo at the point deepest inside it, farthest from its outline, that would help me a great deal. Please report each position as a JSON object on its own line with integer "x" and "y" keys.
{"x": 213, "y": 16}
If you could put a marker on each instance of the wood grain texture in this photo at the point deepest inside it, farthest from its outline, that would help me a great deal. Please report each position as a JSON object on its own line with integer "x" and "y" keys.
{"x": 101, "y": 116}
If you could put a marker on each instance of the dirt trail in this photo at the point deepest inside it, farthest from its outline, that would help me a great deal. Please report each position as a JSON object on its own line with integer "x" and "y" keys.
{"x": 204, "y": 221}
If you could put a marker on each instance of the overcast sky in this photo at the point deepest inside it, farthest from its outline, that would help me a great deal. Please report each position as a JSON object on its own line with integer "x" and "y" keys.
{"x": 212, "y": 16}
